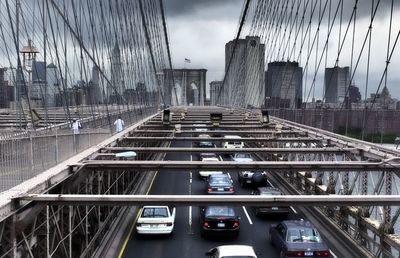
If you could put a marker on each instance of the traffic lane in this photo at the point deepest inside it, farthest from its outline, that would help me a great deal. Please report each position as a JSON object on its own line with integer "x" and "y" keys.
{"x": 186, "y": 240}
{"x": 253, "y": 229}
{"x": 167, "y": 181}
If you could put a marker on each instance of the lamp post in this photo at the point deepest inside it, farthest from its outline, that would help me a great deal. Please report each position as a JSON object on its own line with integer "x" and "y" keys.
{"x": 28, "y": 56}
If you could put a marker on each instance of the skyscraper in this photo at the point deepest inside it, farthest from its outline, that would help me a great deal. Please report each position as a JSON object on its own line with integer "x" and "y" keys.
{"x": 39, "y": 88}
{"x": 215, "y": 87}
{"x": 284, "y": 85}
{"x": 53, "y": 84}
{"x": 116, "y": 73}
{"x": 244, "y": 84}
{"x": 6, "y": 90}
{"x": 337, "y": 79}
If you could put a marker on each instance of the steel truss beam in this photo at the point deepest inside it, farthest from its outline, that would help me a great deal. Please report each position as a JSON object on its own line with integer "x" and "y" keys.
{"x": 224, "y": 150}
{"x": 232, "y": 165}
{"x": 221, "y": 139}
{"x": 292, "y": 200}
{"x": 224, "y": 132}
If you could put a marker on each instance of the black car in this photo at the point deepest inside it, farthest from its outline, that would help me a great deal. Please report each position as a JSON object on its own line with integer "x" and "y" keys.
{"x": 282, "y": 211}
{"x": 252, "y": 178}
{"x": 205, "y": 144}
{"x": 298, "y": 238}
{"x": 220, "y": 184}
{"x": 219, "y": 220}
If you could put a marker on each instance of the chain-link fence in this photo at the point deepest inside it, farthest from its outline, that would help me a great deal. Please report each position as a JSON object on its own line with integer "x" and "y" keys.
{"x": 26, "y": 154}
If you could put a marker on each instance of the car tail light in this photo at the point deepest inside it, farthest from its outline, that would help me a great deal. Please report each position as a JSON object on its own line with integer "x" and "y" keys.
{"x": 169, "y": 224}
{"x": 235, "y": 225}
{"x": 209, "y": 189}
{"x": 231, "y": 190}
{"x": 294, "y": 253}
{"x": 324, "y": 253}
{"x": 206, "y": 225}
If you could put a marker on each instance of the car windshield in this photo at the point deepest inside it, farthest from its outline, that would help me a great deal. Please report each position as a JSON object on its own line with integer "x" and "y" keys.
{"x": 218, "y": 211}
{"x": 243, "y": 156}
{"x": 303, "y": 235}
{"x": 208, "y": 155}
{"x": 155, "y": 213}
{"x": 219, "y": 180}
{"x": 206, "y": 144}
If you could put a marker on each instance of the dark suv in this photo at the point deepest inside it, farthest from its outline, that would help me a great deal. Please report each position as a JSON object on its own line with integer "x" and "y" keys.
{"x": 270, "y": 210}
{"x": 252, "y": 178}
{"x": 217, "y": 220}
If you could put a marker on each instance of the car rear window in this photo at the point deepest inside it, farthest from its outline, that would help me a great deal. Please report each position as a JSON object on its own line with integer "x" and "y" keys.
{"x": 219, "y": 180}
{"x": 303, "y": 235}
{"x": 155, "y": 213}
{"x": 218, "y": 211}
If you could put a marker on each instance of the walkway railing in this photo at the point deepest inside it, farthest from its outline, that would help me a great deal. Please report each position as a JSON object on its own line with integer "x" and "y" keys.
{"x": 25, "y": 154}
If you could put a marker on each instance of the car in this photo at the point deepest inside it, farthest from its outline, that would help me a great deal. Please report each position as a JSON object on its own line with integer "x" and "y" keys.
{"x": 238, "y": 251}
{"x": 205, "y": 144}
{"x": 220, "y": 184}
{"x": 208, "y": 155}
{"x": 232, "y": 142}
{"x": 252, "y": 178}
{"x": 219, "y": 220}
{"x": 208, "y": 158}
{"x": 155, "y": 220}
{"x": 270, "y": 210}
{"x": 242, "y": 157}
{"x": 200, "y": 127}
{"x": 298, "y": 238}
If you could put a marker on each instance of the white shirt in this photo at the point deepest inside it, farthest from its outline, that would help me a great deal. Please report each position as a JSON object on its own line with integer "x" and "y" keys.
{"x": 76, "y": 126}
{"x": 119, "y": 125}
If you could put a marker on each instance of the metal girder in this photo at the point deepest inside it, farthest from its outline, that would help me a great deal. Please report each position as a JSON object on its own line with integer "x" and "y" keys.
{"x": 249, "y": 200}
{"x": 224, "y": 132}
{"x": 232, "y": 165}
{"x": 225, "y": 150}
{"x": 221, "y": 139}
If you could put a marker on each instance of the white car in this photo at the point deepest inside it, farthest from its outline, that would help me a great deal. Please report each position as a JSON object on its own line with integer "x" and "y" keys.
{"x": 206, "y": 173}
{"x": 156, "y": 220}
{"x": 242, "y": 157}
{"x": 245, "y": 251}
{"x": 232, "y": 142}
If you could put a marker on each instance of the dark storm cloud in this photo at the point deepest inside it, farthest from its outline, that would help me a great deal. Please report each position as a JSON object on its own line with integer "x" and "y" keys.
{"x": 185, "y": 8}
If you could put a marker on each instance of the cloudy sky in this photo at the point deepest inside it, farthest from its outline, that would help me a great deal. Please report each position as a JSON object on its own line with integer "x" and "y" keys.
{"x": 198, "y": 30}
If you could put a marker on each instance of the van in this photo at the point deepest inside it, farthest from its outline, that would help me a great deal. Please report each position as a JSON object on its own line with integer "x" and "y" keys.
{"x": 232, "y": 142}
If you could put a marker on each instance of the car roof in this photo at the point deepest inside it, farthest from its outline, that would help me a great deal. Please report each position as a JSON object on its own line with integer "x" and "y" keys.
{"x": 235, "y": 250}
{"x": 298, "y": 223}
{"x": 210, "y": 159}
{"x": 232, "y": 137}
{"x": 269, "y": 189}
{"x": 219, "y": 175}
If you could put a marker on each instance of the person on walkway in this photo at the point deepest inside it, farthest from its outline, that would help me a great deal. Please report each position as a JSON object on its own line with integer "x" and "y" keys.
{"x": 76, "y": 127}
{"x": 119, "y": 124}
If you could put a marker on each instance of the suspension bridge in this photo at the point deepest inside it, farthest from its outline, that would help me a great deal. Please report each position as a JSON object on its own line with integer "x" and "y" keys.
{"x": 308, "y": 88}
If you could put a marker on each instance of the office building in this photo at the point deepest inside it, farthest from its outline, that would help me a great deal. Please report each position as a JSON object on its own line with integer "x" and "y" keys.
{"x": 215, "y": 87}
{"x": 284, "y": 85}
{"x": 244, "y": 84}
{"x": 337, "y": 79}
